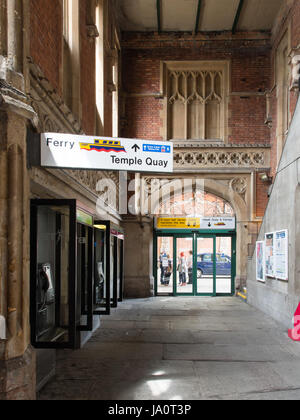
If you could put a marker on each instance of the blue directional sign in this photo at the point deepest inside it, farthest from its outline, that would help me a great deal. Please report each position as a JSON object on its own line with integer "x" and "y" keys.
{"x": 156, "y": 148}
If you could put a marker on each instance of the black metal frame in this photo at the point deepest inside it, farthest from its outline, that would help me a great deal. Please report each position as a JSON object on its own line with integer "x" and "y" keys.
{"x": 106, "y": 309}
{"x": 121, "y": 291}
{"x": 118, "y": 292}
{"x": 112, "y": 301}
{"x": 80, "y": 296}
{"x": 71, "y": 328}
{"x": 88, "y": 284}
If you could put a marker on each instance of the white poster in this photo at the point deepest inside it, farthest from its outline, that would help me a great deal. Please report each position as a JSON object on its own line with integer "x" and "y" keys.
{"x": 116, "y": 154}
{"x": 260, "y": 261}
{"x": 269, "y": 254}
{"x": 281, "y": 255}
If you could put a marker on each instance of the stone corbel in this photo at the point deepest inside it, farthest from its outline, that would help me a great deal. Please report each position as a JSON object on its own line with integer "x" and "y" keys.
{"x": 295, "y": 64}
{"x": 12, "y": 96}
{"x": 92, "y": 32}
{"x": 239, "y": 185}
{"x": 111, "y": 87}
{"x": 17, "y": 106}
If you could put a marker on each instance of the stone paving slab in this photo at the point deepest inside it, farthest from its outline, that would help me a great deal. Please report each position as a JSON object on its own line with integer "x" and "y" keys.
{"x": 254, "y": 337}
{"x": 181, "y": 348}
{"x": 208, "y": 352}
{"x": 288, "y": 394}
{"x": 128, "y": 351}
{"x": 223, "y": 378}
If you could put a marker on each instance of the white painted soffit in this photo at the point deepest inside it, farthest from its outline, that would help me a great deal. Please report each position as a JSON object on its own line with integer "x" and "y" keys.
{"x": 214, "y": 15}
{"x": 138, "y": 15}
{"x": 218, "y": 15}
{"x": 178, "y": 15}
{"x": 259, "y": 15}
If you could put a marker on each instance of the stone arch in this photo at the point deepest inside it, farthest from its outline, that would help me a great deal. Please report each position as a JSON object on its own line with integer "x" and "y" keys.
{"x": 225, "y": 191}
{"x": 216, "y": 188}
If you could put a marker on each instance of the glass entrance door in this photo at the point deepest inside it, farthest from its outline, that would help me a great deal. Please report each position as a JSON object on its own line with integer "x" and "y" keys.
{"x": 195, "y": 264}
{"x": 164, "y": 265}
{"x": 223, "y": 265}
{"x": 184, "y": 265}
{"x": 205, "y": 266}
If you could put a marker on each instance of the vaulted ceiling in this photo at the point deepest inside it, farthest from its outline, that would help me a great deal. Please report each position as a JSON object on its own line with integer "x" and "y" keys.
{"x": 198, "y": 15}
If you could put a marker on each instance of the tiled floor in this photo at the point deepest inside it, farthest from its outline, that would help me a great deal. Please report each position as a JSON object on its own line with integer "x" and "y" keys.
{"x": 181, "y": 348}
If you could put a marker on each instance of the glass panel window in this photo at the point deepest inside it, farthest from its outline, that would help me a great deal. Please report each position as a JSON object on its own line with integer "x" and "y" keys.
{"x": 52, "y": 274}
{"x": 205, "y": 265}
{"x": 84, "y": 277}
{"x": 101, "y": 270}
{"x": 164, "y": 265}
{"x": 223, "y": 265}
{"x": 184, "y": 265}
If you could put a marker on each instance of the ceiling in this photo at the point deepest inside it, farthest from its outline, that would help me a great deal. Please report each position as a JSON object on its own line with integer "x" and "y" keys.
{"x": 198, "y": 15}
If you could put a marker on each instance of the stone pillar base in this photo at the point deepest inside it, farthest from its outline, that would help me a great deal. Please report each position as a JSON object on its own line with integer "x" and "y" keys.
{"x": 138, "y": 276}
{"x": 18, "y": 377}
{"x": 240, "y": 283}
{"x": 138, "y": 287}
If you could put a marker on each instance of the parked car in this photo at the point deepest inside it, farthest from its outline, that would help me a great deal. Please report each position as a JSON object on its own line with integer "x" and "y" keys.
{"x": 205, "y": 264}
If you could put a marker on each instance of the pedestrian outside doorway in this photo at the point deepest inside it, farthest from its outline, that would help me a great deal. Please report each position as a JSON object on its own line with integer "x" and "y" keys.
{"x": 194, "y": 263}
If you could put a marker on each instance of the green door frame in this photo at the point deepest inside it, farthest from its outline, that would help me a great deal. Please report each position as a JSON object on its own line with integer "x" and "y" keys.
{"x": 186, "y": 233}
{"x": 175, "y": 237}
{"x": 195, "y": 255}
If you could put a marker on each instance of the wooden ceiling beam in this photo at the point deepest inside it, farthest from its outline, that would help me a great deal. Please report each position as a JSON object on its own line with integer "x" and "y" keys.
{"x": 198, "y": 16}
{"x": 237, "y": 16}
{"x": 158, "y": 10}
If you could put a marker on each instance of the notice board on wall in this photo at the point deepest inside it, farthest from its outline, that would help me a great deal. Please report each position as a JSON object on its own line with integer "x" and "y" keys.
{"x": 273, "y": 253}
{"x": 269, "y": 254}
{"x": 281, "y": 254}
{"x": 260, "y": 261}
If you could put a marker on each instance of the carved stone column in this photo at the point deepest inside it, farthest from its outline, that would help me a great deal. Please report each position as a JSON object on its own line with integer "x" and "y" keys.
{"x": 17, "y": 359}
{"x": 15, "y": 34}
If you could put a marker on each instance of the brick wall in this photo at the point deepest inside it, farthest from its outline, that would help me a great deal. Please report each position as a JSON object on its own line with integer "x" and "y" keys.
{"x": 262, "y": 189}
{"x": 295, "y": 19}
{"x": 288, "y": 20}
{"x": 250, "y": 73}
{"x": 87, "y": 73}
{"x": 246, "y": 122}
{"x": 46, "y": 50}
{"x": 46, "y": 38}
{"x": 250, "y": 78}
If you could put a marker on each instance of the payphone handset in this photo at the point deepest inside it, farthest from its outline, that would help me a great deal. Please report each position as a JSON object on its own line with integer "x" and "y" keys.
{"x": 100, "y": 272}
{"x": 45, "y": 290}
{"x": 45, "y": 298}
{"x": 99, "y": 283}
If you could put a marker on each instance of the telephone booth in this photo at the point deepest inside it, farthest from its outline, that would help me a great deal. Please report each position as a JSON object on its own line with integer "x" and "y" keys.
{"x": 76, "y": 272}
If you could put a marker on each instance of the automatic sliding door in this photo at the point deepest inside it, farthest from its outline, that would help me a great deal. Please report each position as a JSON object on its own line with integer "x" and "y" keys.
{"x": 205, "y": 266}
{"x": 223, "y": 265}
{"x": 164, "y": 276}
{"x": 195, "y": 264}
{"x": 184, "y": 266}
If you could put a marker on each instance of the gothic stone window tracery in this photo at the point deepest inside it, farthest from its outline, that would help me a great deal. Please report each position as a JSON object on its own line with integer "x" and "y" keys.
{"x": 196, "y": 95}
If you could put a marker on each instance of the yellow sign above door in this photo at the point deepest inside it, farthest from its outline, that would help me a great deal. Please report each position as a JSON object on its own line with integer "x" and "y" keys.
{"x": 178, "y": 223}
{"x": 203, "y": 223}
